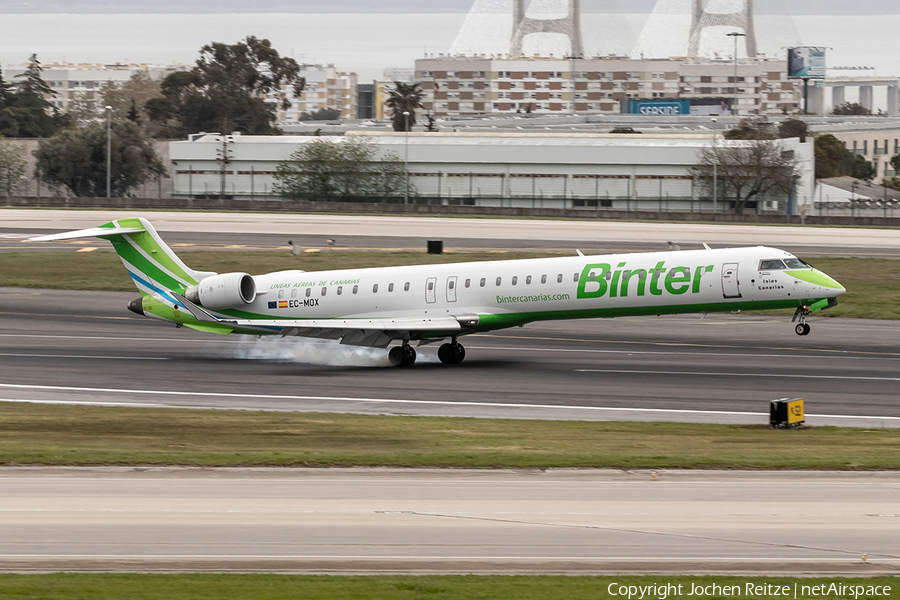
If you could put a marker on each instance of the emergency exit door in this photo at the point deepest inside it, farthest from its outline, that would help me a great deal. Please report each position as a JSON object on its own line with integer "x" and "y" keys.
{"x": 731, "y": 286}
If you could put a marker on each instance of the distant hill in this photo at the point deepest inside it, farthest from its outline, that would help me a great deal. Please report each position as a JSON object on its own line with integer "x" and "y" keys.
{"x": 796, "y": 7}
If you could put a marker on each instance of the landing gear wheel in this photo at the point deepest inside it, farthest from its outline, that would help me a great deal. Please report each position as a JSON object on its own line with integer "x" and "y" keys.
{"x": 451, "y": 354}
{"x": 802, "y": 329}
{"x": 402, "y": 356}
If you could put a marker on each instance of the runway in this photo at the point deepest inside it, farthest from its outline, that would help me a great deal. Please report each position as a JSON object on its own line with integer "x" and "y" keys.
{"x": 85, "y": 347}
{"x": 187, "y": 231}
{"x": 423, "y": 521}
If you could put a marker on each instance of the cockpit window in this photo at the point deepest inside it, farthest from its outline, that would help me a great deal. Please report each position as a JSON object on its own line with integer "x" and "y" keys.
{"x": 796, "y": 263}
{"x": 771, "y": 265}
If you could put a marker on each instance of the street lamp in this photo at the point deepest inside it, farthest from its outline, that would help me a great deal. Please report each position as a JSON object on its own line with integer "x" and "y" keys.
{"x": 735, "y": 35}
{"x": 406, "y": 160}
{"x": 108, "y": 151}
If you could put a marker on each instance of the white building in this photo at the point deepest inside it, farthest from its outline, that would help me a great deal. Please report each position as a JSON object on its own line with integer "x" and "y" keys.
{"x": 326, "y": 88}
{"x": 69, "y": 81}
{"x": 456, "y": 86}
{"x": 636, "y": 172}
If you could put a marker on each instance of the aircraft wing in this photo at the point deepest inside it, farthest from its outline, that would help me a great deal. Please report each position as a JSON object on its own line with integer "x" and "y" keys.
{"x": 356, "y": 332}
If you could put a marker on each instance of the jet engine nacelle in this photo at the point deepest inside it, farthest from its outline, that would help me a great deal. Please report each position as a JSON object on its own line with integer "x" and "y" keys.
{"x": 228, "y": 290}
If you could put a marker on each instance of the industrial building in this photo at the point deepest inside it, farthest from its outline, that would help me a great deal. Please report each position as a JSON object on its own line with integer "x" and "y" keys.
{"x": 548, "y": 170}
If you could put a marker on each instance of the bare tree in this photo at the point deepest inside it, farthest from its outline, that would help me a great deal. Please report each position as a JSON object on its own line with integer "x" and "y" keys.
{"x": 748, "y": 170}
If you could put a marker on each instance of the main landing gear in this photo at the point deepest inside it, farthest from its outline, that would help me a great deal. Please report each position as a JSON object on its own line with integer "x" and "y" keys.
{"x": 402, "y": 356}
{"x": 802, "y": 327}
{"x": 452, "y": 354}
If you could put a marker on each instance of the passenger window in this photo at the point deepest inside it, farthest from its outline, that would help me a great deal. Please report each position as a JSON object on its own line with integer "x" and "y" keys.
{"x": 591, "y": 276}
{"x": 559, "y": 278}
{"x": 308, "y": 292}
{"x": 281, "y": 293}
{"x": 482, "y": 282}
{"x": 575, "y": 278}
{"x": 375, "y": 289}
{"x": 498, "y": 281}
{"x": 468, "y": 282}
{"x": 543, "y": 279}
{"x": 515, "y": 280}
{"x": 355, "y": 288}
{"x": 406, "y": 287}
{"x": 340, "y": 290}
{"x": 430, "y": 286}
{"x": 450, "y": 284}
{"x": 390, "y": 287}
{"x": 324, "y": 291}
{"x": 294, "y": 293}
{"x": 528, "y": 280}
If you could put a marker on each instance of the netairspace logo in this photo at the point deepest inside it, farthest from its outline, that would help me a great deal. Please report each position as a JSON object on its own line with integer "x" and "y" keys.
{"x": 662, "y": 591}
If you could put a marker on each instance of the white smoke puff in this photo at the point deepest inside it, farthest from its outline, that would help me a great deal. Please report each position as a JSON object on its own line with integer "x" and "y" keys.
{"x": 315, "y": 352}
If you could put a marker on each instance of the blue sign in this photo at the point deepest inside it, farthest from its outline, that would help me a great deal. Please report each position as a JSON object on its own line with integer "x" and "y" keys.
{"x": 659, "y": 107}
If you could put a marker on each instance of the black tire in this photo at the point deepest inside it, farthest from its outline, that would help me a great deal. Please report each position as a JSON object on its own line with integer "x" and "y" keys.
{"x": 806, "y": 329}
{"x": 446, "y": 354}
{"x": 459, "y": 354}
{"x": 800, "y": 329}
{"x": 396, "y": 356}
{"x": 409, "y": 357}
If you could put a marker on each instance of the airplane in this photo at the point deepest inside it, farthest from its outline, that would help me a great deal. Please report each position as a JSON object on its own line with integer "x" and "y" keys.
{"x": 426, "y": 304}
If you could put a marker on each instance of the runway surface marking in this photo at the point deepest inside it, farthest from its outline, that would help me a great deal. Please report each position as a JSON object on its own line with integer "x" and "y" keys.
{"x": 68, "y": 316}
{"x": 726, "y": 374}
{"x": 836, "y": 354}
{"x": 86, "y": 356}
{"x": 392, "y": 401}
{"x": 690, "y": 345}
{"x": 412, "y": 557}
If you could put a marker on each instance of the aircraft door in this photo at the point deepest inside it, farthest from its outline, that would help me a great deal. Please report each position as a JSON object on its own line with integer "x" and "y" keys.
{"x": 430, "y": 284}
{"x": 451, "y": 289}
{"x": 730, "y": 283}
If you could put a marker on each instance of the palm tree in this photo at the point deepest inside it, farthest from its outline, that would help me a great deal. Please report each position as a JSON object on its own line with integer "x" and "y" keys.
{"x": 406, "y": 97}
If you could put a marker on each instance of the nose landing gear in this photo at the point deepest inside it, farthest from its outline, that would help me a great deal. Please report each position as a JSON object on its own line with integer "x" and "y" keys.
{"x": 802, "y": 327}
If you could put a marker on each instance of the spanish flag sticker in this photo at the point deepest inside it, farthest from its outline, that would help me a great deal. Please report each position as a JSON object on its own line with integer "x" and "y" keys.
{"x": 282, "y": 304}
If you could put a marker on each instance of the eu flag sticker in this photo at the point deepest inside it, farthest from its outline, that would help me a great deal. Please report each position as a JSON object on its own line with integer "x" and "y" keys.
{"x": 273, "y": 305}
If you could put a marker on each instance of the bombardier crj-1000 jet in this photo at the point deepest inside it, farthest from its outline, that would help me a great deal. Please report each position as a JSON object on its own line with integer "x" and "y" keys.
{"x": 436, "y": 303}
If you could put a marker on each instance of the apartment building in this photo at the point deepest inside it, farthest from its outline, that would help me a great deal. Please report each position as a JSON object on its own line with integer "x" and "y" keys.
{"x": 326, "y": 88}
{"x": 457, "y": 86}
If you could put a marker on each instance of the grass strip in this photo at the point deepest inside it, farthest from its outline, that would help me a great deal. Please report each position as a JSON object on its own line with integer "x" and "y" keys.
{"x": 873, "y": 285}
{"x": 34, "y": 434}
{"x": 434, "y": 587}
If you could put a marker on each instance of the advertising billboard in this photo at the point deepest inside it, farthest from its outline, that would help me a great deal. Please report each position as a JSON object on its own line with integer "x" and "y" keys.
{"x": 659, "y": 107}
{"x": 710, "y": 107}
{"x": 806, "y": 63}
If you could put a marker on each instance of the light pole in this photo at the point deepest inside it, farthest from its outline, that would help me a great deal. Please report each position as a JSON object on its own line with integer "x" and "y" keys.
{"x": 735, "y": 35}
{"x": 406, "y": 160}
{"x": 108, "y": 151}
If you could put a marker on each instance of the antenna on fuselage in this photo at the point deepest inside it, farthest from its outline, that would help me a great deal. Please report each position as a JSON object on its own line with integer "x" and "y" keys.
{"x": 579, "y": 252}
{"x": 705, "y": 245}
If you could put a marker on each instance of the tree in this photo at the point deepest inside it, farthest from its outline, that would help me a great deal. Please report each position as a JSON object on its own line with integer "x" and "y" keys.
{"x": 851, "y": 109}
{"x": 76, "y": 159}
{"x": 351, "y": 168}
{"x": 12, "y": 168}
{"x": 793, "y": 128}
{"x": 752, "y": 129}
{"x": 405, "y": 97}
{"x": 748, "y": 171}
{"x": 323, "y": 114}
{"x": 24, "y": 108}
{"x": 858, "y": 167}
{"x": 226, "y": 90}
{"x": 831, "y": 157}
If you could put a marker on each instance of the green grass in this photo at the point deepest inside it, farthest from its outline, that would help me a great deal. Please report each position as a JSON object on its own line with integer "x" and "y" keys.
{"x": 32, "y": 434}
{"x": 873, "y": 285}
{"x": 394, "y": 587}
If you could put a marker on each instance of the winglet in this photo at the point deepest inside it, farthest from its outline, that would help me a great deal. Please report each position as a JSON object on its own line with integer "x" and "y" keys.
{"x": 82, "y": 233}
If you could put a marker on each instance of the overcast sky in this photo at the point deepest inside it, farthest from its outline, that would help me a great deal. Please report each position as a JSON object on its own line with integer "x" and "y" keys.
{"x": 796, "y": 7}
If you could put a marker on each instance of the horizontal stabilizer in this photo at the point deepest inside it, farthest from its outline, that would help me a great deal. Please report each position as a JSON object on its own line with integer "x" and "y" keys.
{"x": 83, "y": 233}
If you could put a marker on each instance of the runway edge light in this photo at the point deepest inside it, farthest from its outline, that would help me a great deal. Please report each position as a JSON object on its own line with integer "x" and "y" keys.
{"x": 786, "y": 413}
